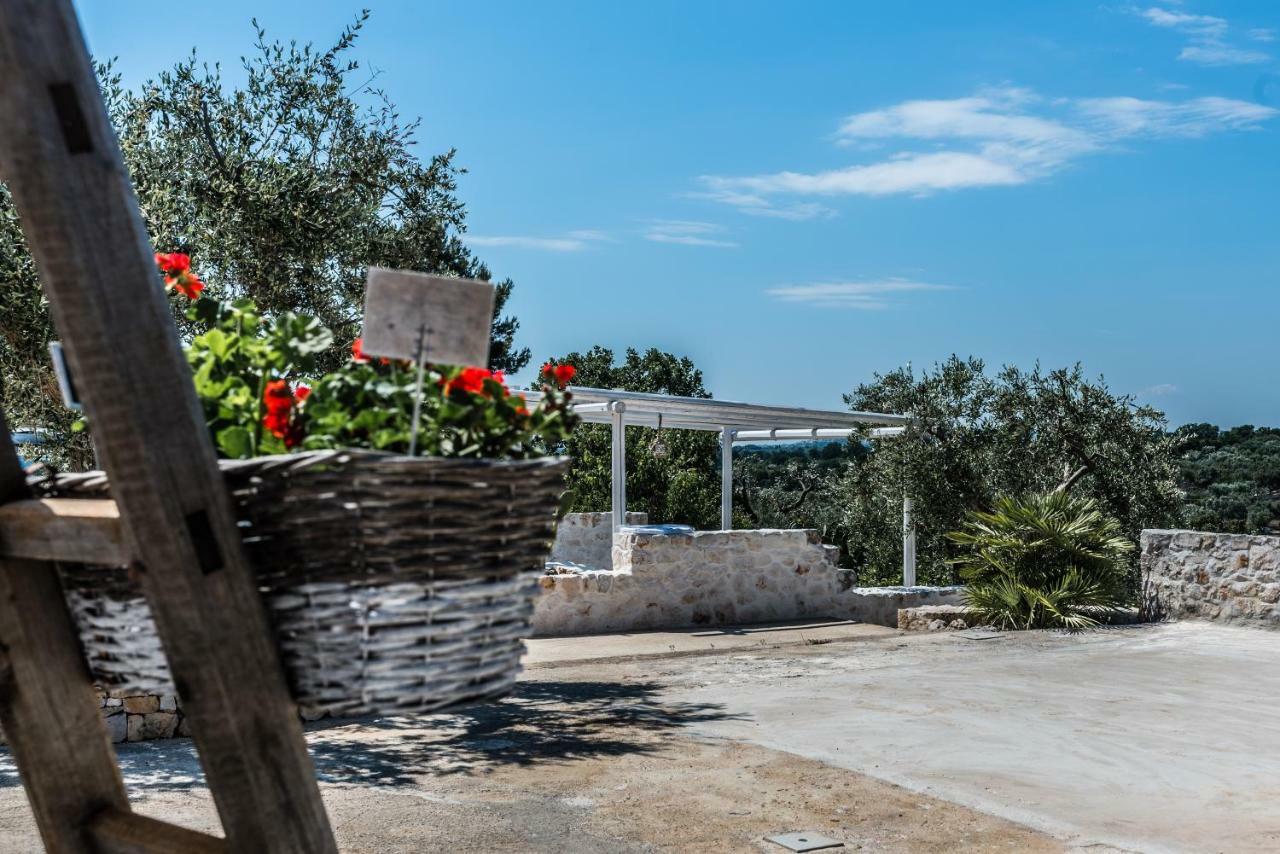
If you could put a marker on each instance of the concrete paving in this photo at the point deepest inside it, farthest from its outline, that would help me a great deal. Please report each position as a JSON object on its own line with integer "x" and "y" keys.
{"x": 559, "y": 651}
{"x": 1156, "y": 738}
{"x": 1143, "y": 738}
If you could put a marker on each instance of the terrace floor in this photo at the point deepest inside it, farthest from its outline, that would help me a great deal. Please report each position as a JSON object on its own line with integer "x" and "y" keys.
{"x": 1163, "y": 738}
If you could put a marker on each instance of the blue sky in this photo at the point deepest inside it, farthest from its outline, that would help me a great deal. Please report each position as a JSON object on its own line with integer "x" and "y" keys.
{"x": 799, "y": 195}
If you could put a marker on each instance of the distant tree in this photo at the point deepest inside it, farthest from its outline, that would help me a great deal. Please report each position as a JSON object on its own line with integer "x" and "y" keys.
{"x": 793, "y": 485}
{"x": 1231, "y": 478}
{"x": 284, "y": 188}
{"x": 976, "y": 437}
{"x": 682, "y": 488}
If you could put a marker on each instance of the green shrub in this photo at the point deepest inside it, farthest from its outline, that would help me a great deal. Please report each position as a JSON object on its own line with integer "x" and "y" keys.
{"x": 1043, "y": 561}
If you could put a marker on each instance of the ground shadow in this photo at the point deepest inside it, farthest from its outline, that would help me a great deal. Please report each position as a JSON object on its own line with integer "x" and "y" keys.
{"x": 542, "y": 722}
{"x": 166, "y": 765}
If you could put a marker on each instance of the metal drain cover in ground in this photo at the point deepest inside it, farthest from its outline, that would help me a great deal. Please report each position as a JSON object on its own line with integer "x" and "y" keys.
{"x": 804, "y": 841}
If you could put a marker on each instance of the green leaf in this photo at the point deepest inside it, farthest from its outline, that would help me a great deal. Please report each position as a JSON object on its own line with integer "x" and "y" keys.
{"x": 235, "y": 442}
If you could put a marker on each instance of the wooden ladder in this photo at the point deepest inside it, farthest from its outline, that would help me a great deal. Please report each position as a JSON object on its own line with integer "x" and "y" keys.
{"x": 171, "y": 517}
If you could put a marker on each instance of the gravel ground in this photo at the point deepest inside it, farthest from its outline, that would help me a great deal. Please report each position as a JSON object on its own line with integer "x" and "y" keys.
{"x": 577, "y": 761}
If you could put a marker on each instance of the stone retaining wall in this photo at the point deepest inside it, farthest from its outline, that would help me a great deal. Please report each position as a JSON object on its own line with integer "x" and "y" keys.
{"x": 587, "y": 538}
{"x": 716, "y": 578}
{"x": 140, "y": 717}
{"x": 1227, "y": 577}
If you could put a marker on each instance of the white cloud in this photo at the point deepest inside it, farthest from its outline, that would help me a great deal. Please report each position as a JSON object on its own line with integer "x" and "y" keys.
{"x": 757, "y": 205}
{"x": 1122, "y": 118}
{"x": 1000, "y": 137}
{"x": 1159, "y": 390}
{"x": 1207, "y": 37}
{"x": 1200, "y": 26}
{"x": 1221, "y": 54}
{"x": 869, "y": 295}
{"x": 687, "y": 233}
{"x": 913, "y": 173}
{"x": 573, "y": 241}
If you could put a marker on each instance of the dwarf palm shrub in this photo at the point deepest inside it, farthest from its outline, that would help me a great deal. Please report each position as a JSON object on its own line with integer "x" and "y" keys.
{"x": 1042, "y": 561}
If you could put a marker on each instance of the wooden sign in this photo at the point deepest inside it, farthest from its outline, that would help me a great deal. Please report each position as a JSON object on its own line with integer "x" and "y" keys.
{"x": 427, "y": 318}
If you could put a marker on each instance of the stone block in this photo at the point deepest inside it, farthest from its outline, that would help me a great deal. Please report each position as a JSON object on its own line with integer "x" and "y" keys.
{"x": 117, "y": 726}
{"x": 152, "y": 725}
{"x": 141, "y": 705}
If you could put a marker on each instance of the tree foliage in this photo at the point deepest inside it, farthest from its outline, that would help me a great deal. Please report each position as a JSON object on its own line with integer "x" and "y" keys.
{"x": 683, "y": 487}
{"x": 793, "y": 485}
{"x": 283, "y": 189}
{"x": 976, "y": 437}
{"x": 1231, "y": 478}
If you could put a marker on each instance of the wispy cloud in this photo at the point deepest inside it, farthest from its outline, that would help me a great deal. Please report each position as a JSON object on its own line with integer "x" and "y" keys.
{"x": 997, "y": 137}
{"x": 867, "y": 295}
{"x": 572, "y": 241}
{"x": 757, "y": 205}
{"x": 687, "y": 233}
{"x": 1208, "y": 37}
{"x": 1159, "y": 390}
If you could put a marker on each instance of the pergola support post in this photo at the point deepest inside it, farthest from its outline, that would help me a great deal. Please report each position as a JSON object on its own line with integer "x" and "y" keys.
{"x": 618, "y": 480}
{"x": 908, "y": 542}
{"x": 726, "y": 479}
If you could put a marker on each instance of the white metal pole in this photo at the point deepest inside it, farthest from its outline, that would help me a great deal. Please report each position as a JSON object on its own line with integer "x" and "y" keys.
{"x": 619, "y": 465}
{"x": 908, "y": 542}
{"x": 726, "y": 479}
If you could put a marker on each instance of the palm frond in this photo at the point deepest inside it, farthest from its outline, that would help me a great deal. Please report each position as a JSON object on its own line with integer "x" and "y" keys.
{"x": 1042, "y": 561}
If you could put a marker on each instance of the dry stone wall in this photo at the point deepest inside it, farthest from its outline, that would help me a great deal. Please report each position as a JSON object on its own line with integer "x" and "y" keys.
{"x": 140, "y": 717}
{"x": 1227, "y": 577}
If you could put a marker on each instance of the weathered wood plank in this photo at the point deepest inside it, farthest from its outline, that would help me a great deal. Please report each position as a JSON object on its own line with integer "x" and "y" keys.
{"x": 73, "y": 530}
{"x": 116, "y": 832}
{"x": 48, "y": 708}
{"x": 60, "y": 160}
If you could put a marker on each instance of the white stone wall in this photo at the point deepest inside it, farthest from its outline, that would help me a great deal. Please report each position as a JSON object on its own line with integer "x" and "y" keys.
{"x": 586, "y": 539}
{"x": 1227, "y": 577}
{"x": 717, "y": 578}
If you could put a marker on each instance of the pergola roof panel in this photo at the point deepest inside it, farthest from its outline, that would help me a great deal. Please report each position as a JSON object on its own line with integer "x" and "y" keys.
{"x": 696, "y": 413}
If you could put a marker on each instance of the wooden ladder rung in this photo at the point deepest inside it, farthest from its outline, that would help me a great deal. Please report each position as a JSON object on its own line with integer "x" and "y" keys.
{"x": 75, "y": 530}
{"x": 115, "y": 831}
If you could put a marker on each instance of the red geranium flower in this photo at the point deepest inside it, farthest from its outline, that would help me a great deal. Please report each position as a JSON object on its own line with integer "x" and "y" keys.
{"x": 173, "y": 263}
{"x": 560, "y": 374}
{"x": 277, "y": 396}
{"x": 281, "y": 404}
{"x": 188, "y": 285}
{"x": 357, "y": 351}
{"x": 176, "y": 268}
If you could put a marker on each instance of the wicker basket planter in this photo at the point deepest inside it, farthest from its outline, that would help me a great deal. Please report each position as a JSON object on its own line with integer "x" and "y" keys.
{"x": 394, "y": 583}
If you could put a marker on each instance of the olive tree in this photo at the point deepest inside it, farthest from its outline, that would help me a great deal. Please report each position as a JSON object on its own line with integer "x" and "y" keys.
{"x": 682, "y": 487}
{"x": 284, "y": 187}
{"x": 976, "y": 437}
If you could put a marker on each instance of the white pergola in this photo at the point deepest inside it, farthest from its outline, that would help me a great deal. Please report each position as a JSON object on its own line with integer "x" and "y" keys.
{"x": 735, "y": 422}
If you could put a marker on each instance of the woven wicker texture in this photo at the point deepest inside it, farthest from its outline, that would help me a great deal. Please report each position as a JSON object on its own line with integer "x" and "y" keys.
{"x": 394, "y": 584}
{"x": 364, "y": 516}
{"x": 347, "y": 649}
